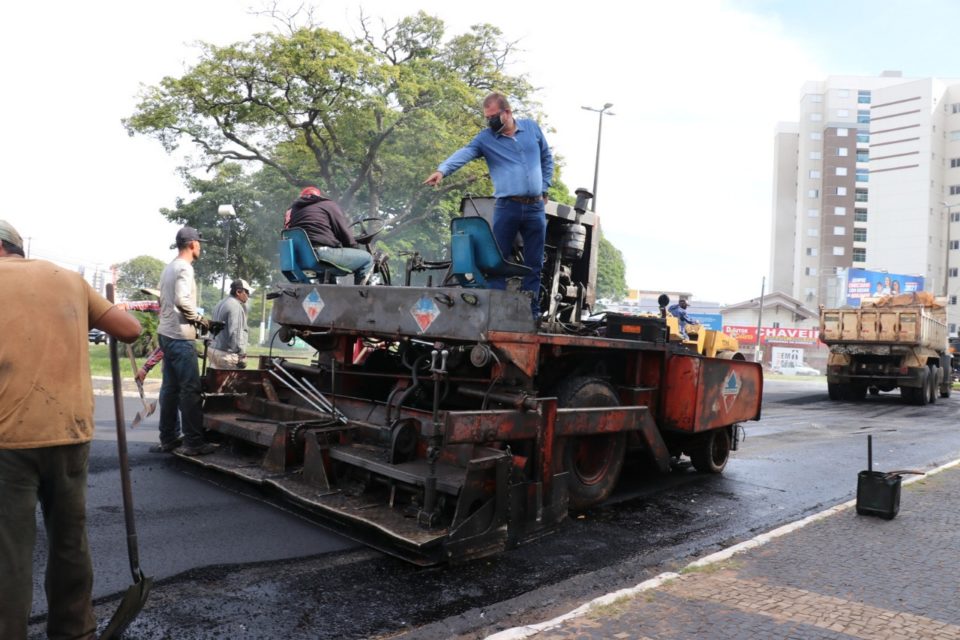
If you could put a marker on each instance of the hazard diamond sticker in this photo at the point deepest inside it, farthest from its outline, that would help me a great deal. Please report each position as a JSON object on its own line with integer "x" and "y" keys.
{"x": 425, "y": 311}
{"x": 313, "y": 305}
{"x": 731, "y": 389}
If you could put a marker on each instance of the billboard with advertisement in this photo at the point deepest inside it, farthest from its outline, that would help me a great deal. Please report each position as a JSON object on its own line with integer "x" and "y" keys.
{"x": 772, "y": 335}
{"x": 863, "y": 283}
{"x": 708, "y": 320}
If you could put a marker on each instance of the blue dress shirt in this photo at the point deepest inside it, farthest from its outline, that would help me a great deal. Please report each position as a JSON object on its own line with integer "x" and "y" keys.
{"x": 520, "y": 165}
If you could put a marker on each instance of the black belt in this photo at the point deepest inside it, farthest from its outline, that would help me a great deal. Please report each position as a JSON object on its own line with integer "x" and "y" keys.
{"x": 525, "y": 199}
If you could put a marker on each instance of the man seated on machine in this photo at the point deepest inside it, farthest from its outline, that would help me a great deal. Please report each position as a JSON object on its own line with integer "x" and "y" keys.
{"x": 329, "y": 233}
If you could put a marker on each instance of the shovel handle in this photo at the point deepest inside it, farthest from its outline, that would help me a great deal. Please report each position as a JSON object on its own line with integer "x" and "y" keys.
{"x": 132, "y": 550}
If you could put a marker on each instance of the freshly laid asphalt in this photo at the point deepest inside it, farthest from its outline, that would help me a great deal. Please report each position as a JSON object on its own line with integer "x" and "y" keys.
{"x": 834, "y": 575}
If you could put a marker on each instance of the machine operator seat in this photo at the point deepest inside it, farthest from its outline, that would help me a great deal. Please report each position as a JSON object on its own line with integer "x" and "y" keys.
{"x": 475, "y": 256}
{"x": 299, "y": 261}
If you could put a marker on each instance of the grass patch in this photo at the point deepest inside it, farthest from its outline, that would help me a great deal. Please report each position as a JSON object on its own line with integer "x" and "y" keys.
{"x": 100, "y": 359}
{"x": 611, "y": 609}
{"x": 715, "y": 567}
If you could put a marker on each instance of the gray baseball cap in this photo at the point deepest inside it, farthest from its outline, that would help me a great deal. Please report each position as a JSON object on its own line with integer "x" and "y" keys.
{"x": 8, "y": 233}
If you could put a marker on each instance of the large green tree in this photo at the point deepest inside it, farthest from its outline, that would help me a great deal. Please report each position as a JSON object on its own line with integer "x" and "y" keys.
{"x": 137, "y": 273}
{"x": 367, "y": 119}
{"x": 611, "y": 272}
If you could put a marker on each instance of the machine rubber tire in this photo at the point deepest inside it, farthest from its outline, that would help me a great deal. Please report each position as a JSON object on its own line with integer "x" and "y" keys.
{"x": 593, "y": 462}
{"x": 932, "y": 384}
{"x": 947, "y": 385}
{"x": 874, "y": 391}
{"x": 835, "y": 390}
{"x": 710, "y": 451}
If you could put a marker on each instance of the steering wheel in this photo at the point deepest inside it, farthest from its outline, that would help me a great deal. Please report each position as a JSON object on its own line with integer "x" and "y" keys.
{"x": 365, "y": 230}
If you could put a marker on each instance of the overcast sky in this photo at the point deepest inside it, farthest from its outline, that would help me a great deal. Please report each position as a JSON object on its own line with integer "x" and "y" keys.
{"x": 686, "y": 164}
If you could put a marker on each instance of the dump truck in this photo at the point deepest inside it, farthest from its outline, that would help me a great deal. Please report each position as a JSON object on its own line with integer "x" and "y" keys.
{"x": 439, "y": 421}
{"x": 888, "y": 343}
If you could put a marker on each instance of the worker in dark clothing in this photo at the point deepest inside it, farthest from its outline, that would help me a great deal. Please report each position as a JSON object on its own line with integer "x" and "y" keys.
{"x": 329, "y": 233}
{"x": 679, "y": 311}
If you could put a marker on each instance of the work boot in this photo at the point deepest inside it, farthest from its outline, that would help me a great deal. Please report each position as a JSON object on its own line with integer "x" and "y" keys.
{"x": 167, "y": 447}
{"x": 204, "y": 449}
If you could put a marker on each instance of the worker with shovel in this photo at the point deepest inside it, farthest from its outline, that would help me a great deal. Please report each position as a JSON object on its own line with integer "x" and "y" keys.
{"x": 46, "y": 425}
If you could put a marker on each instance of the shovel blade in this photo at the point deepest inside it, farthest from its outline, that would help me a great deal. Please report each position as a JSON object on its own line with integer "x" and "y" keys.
{"x": 130, "y": 607}
{"x": 137, "y": 419}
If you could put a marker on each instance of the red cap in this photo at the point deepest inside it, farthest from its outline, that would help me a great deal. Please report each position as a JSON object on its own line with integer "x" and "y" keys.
{"x": 310, "y": 191}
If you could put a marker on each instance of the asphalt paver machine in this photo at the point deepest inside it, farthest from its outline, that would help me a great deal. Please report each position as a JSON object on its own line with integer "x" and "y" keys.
{"x": 442, "y": 422}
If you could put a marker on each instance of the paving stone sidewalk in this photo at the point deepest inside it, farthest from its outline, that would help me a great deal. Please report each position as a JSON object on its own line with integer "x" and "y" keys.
{"x": 843, "y": 576}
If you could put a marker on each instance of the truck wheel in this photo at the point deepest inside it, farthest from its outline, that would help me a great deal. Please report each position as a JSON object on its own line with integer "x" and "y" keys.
{"x": 593, "y": 462}
{"x": 835, "y": 390}
{"x": 932, "y": 384}
{"x": 917, "y": 395}
{"x": 710, "y": 451}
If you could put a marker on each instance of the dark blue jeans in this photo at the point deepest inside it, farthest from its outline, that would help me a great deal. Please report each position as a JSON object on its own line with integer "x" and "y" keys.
{"x": 530, "y": 220}
{"x": 180, "y": 391}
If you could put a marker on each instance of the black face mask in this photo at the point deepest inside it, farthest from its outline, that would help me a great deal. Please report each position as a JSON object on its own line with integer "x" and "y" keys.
{"x": 495, "y": 123}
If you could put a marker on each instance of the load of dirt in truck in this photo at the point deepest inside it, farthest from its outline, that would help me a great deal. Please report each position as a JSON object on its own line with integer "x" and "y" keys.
{"x": 889, "y": 343}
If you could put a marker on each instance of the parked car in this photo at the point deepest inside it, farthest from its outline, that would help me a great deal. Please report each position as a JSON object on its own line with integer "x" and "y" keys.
{"x": 96, "y": 336}
{"x": 796, "y": 370}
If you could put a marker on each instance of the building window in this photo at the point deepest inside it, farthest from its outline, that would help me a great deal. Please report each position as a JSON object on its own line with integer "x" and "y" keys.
{"x": 816, "y": 117}
{"x": 839, "y": 231}
{"x": 863, "y": 156}
{"x": 954, "y": 163}
{"x": 813, "y": 193}
{"x": 863, "y": 117}
{"x": 810, "y": 271}
{"x": 953, "y": 299}
{"x": 863, "y": 138}
{"x": 841, "y": 171}
{"x": 860, "y": 215}
{"x": 812, "y": 251}
{"x": 954, "y": 244}
{"x": 955, "y": 189}
{"x": 955, "y": 107}
{"x": 955, "y": 217}
{"x": 838, "y": 251}
{"x": 863, "y": 97}
{"x": 813, "y": 233}
{"x": 815, "y": 155}
{"x": 954, "y": 272}
{"x": 813, "y": 213}
{"x": 953, "y": 328}
{"x": 863, "y": 175}
{"x": 841, "y": 191}
{"x": 842, "y": 151}
{"x": 859, "y": 235}
{"x": 954, "y": 136}
{"x": 859, "y": 255}
{"x": 860, "y": 195}
{"x": 816, "y": 97}
{"x": 814, "y": 174}
{"x": 839, "y": 211}
{"x": 843, "y": 113}
{"x": 810, "y": 292}
{"x": 816, "y": 135}
{"x": 842, "y": 132}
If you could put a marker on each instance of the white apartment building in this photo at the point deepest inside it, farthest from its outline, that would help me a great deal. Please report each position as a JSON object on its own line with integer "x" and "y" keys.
{"x": 869, "y": 177}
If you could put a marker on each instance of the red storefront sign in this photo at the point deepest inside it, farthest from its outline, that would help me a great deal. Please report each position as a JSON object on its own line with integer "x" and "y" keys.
{"x": 772, "y": 335}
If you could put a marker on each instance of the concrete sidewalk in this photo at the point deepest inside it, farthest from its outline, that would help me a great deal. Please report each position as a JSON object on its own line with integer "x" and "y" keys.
{"x": 831, "y": 576}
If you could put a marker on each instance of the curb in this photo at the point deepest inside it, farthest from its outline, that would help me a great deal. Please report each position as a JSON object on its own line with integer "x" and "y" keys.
{"x": 516, "y": 633}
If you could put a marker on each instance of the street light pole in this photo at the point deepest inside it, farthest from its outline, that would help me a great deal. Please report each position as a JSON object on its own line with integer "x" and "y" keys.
{"x": 596, "y": 165}
{"x": 226, "y": 211}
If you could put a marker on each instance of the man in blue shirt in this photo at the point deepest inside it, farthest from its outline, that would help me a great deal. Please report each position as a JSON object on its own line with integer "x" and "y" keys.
{"x": 679, "y": 311}
{"x": 521, "y": 167}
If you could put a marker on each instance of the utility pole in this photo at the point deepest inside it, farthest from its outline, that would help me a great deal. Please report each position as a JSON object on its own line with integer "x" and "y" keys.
{"x": 596, "y": 165}
{"x": 758, "y": 355}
